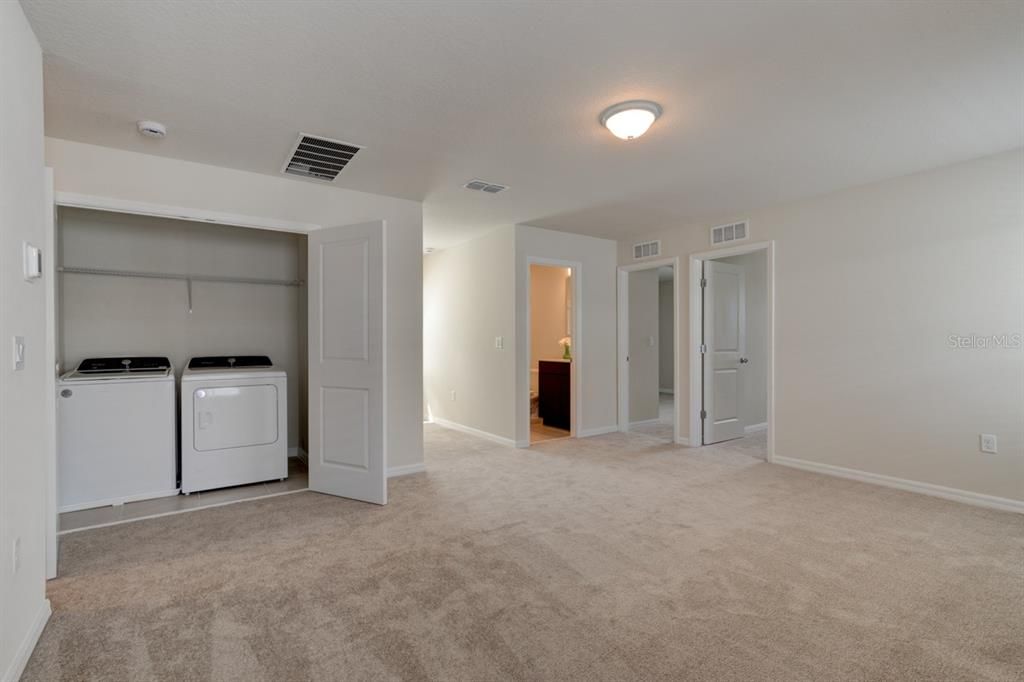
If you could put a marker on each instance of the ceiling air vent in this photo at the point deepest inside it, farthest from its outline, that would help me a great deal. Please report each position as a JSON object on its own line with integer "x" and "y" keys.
{"x": 318, "y": 158}
{"x": 646, "y": 250}
{"x": 481, "y": 186}
{"x": 732, "y": 232}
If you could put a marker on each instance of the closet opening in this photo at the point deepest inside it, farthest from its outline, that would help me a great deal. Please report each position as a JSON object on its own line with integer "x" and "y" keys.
{"x": 181, "y": 352}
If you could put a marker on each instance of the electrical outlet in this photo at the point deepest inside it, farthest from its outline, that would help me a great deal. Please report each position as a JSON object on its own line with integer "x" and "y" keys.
{"x": 988, "y": 443}
{"x": 453, "y": 396}
{"x": 16, "y": 555}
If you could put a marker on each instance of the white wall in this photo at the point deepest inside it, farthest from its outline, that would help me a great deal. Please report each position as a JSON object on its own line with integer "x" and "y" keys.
{"x": 595, "y": 347}
{"x": 468, "y": 300}
{"x": 754, "y": 401}
{"x": 548, "y": 313}
{"x": 476, "y": 291}
{"x": 109, "y": 316}
{"x": 870, "y": 284}
{"x": 644, "y": 352}
{"x": 666, "y": 340}
{"x": 23, "y": 394}
{"x": 128, "y": 176}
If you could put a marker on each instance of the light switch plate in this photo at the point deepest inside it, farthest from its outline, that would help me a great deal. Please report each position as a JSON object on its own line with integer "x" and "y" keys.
{"x": 18, "y": 353}
{"x": 32, "y": 260}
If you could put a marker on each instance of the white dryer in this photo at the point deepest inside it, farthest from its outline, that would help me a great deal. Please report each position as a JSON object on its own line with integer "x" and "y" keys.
{"x": 234, "y": 422}
{"x": 116, "y": 432}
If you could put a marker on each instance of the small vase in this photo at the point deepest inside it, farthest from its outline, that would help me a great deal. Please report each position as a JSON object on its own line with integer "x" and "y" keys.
{"x": 566, "y": 355}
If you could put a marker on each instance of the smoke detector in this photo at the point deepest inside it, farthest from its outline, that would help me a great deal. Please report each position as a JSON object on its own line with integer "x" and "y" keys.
{"x": 152, "y": 129}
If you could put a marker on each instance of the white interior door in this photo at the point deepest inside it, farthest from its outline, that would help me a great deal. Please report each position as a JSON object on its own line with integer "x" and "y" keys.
{"x": 725, "y": 321}
{"x": 346, "y": 362}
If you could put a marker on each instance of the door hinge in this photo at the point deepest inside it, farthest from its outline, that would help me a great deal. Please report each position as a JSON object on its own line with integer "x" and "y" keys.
{"x": 703, "y": 282}
{"x": 703, "y": 414}
{"x": 703, "y": 348}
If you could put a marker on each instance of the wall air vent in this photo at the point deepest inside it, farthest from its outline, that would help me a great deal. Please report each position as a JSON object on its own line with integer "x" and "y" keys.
{"x": 318, "y": 158}
{"x": 732, "y": 232}
{"x": 646, "y": 250}
{"x": 481, "y": 186}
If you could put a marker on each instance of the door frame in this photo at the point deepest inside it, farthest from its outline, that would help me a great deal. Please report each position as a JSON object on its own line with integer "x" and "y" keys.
{"x": 50, "y": 351}
{"x": 623, "y": 340}
{"x": 576, "y": 367}
{"x": 696, "y": 311}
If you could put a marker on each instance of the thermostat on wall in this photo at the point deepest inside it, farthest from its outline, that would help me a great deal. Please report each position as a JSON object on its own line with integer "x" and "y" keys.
{"x": 33, "y": 261}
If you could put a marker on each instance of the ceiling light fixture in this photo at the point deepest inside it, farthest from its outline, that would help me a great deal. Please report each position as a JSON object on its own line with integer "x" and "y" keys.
{"x": 630, "y": 120}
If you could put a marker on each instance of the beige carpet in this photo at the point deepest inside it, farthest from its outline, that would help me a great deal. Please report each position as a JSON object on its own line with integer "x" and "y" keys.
{"x": 617, "y": 558}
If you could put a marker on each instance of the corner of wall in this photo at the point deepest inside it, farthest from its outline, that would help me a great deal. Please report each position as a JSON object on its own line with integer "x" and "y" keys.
{"x": 23, "y": 394}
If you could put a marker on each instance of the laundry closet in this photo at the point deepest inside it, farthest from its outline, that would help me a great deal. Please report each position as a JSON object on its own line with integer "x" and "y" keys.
{"x": 135, "y": 290}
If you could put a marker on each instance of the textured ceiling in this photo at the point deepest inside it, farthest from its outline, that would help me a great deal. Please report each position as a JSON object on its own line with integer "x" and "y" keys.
{"x": 764, "y": 101}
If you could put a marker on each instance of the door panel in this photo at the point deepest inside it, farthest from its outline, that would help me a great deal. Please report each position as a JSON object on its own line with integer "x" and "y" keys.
{"x": 725, "y": 345}
{"x": 347, "y": 440}
{"x": 346, "y": 362}
{"x": 345, "y": 268}
{"x": 234, "y": 417}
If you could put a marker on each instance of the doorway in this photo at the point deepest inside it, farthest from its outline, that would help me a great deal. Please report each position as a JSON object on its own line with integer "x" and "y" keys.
{"x": 731, "y": 363}
{"x": 648, "y": 359}
{"x": 551, "y": 352}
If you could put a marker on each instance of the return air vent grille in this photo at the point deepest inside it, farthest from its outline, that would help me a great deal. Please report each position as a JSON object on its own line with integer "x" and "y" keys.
{"x": 732, "y": 232}
{"x": 318, "y": 158}
{"x": 482, "y": 186}
{"x": 646, "y": 250}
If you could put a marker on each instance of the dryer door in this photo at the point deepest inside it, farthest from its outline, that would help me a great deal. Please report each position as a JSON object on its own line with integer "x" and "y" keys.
{"x": 234, "y": 417}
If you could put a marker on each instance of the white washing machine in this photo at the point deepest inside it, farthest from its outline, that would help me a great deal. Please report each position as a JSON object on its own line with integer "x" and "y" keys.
{"x": 234, "y": 422}
{"x": 116, "y": 432}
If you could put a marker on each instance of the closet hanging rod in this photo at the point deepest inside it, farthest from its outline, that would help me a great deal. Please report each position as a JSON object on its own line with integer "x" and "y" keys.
{"x": 174, "y": 276}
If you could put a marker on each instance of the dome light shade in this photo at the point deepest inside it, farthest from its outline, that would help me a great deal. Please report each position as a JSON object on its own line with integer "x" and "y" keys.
{"x": 629, "y": 120}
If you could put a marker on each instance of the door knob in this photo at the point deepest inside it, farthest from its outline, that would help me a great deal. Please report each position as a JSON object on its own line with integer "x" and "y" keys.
{"x": 744, "y": 361}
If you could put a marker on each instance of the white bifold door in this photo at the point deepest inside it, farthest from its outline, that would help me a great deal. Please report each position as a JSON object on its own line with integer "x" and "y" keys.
{"x": 725, "y": 343}
{"x": 346, "y": 362}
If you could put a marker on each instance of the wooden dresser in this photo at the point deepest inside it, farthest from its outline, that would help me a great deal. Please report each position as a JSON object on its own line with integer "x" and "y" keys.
{"x": 554, "y": 386}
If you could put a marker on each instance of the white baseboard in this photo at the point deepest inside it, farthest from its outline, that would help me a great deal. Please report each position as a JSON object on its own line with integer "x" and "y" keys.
{"x": 494, "y": 438}
{"x": 683, "y": 440}
{"x": 598, "y": 431}
{"x": 522, "y": 443}
{"x": 116, "y": 501}
{"x": 407, "y": 469}
{"x": 298, "y": 453}
{"x": 955, "y": 494}
{"x": 28, "y": 644}
{"x": 642, "y": 422}
{"x": 667, "y": 391}
{"x": 755, "y": 428}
